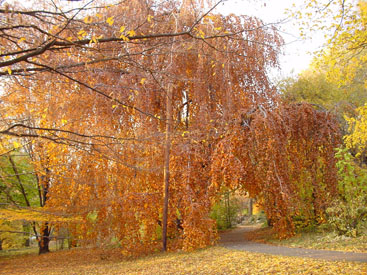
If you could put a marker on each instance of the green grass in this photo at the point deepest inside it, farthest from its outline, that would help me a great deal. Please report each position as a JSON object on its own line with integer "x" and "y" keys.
{"x": 33, "y": 250}
{"x": 213, "y": 260}
{"x": 17, "y": 252}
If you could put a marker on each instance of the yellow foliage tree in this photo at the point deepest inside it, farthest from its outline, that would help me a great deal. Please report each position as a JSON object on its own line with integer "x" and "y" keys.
{"x": 357, "y": 139}
{"x": 344, "y": 25}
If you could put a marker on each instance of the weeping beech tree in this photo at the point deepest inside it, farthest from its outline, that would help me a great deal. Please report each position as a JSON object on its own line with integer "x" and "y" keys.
{"x": 119, "y": 75}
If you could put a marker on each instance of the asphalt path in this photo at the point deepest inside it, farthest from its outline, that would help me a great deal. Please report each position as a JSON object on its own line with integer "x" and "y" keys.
{"x": 236, "y": 239}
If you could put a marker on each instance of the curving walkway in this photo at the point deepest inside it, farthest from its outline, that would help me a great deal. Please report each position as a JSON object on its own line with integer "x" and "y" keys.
{"x": 235, "y": 239}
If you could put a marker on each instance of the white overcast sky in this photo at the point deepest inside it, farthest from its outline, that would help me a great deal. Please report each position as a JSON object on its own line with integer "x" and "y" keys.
{"x": 297, "y": 52}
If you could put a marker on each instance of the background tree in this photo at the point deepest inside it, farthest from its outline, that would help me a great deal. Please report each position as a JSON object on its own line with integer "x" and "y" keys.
{"x": 356, "y": 140}
{"x": 343, "y": 23}
{"x": 314, "y": 87}
{"x": 24, "y": 186}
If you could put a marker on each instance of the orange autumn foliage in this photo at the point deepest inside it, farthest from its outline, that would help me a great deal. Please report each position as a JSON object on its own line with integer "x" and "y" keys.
{"x": 98, "y": 113}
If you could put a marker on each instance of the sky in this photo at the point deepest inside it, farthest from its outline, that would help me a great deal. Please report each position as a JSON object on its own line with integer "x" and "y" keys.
{"x": 297, "y": 52}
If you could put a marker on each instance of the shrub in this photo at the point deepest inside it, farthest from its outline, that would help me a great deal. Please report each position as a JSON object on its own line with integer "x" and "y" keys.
{"x": 225, "y": 211}
{"x": 348, "y": 213}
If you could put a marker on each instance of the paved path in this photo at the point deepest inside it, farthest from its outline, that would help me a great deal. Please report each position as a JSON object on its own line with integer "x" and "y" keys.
{"x": 235, "y": 239}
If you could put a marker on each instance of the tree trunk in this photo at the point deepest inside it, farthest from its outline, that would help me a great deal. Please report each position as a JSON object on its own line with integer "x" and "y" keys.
{"x": 27, "y": 241}
{"x": 1, "y": 244}
{"x": 166, "y": 165}
{"x": 269, "y": 221}
{"x": 228, "y": 210}
{"x": 44, "y": 240}
{"x": 250, "y": 207}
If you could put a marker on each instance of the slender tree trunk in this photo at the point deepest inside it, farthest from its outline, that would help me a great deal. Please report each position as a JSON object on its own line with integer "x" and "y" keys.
{"x": 1, "y": 244}
{"x": 45, "y": 230}
{"x": 250, "y": 207}
{"x": 228, "y": 208}
{"x": 166, "y": 165}
{"x": 21, "y": 187}
{"x": 44, "y": 240}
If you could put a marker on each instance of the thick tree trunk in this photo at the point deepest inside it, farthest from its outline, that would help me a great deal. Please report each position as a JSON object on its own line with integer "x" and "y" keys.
{"x": 44, "y": 240}
{"x": 166, "y": 166}
{"x": 27, "y": 241}
{"x": 269, "y": 221}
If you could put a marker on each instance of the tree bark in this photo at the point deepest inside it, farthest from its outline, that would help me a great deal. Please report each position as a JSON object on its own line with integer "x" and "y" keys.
{"x": 44, "y": 240}
{"x": 27, "y": 241}
{"x": 228, "y": 210}
{"x": 166, "y": 165}
{"x": 250, "y": 207}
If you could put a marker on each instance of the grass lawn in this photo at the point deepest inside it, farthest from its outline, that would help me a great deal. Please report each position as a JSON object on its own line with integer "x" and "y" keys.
{"x": 4, "y": 254}
{"x": 317, "y": 240}
{"x": 213, "y": 260}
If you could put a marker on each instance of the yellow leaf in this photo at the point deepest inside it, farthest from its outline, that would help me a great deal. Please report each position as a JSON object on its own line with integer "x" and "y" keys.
{"x": 16, "y": 145}
{"x": 150, "y": 18}
{"x": 218, "y": 29}
{"x": 94, "y": 40}
{"x": 131, "y": 33}
{"x": 201, "y": 34}
{"x": 122, "y": 29}
{"x": 110, "y": 20}
{"x": 81, "y": 34}
{"x": 114, "y": 106}
{"x": 64, "y": 121}
{"x": 88, "y": 20}
{"x": 210, "y": 17}
{"x": 142, "y": 81}
{"x": 21, "y": 40}
{"x": 123, "y": 37}
{"x": 9, "y": 71}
